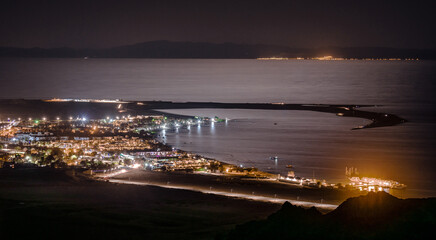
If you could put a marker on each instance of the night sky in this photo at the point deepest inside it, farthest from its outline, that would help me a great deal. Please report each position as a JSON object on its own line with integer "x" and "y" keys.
{"x": 107, "y": 23}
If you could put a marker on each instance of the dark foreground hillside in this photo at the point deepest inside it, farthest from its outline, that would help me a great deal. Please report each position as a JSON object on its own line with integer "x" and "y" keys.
{"x": 45, "y": 203}
{"x": 374, "y": 216}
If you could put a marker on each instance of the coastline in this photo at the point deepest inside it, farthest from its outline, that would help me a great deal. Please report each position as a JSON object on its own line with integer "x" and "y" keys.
{"x": 149, "y": 108}
{"x": 13, "y": 108}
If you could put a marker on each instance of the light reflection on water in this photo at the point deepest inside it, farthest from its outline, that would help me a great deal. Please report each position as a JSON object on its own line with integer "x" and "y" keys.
{"x": 315, "y": 144}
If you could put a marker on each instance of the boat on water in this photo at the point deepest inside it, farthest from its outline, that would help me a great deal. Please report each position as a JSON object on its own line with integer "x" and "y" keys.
{"x": 289, "y": 166}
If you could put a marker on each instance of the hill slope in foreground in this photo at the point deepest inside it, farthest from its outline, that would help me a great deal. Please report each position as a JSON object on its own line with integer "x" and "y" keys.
{"x": 374, "y": 216}
{"x": 45, "y": 203}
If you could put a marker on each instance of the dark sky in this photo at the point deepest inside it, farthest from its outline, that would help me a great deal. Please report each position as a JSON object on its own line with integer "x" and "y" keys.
{"x": 106, "y": 23}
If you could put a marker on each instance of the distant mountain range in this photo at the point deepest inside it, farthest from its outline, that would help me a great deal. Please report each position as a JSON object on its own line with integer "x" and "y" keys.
{"x": 167, "y": 49}
{"x": 374, "y": 216}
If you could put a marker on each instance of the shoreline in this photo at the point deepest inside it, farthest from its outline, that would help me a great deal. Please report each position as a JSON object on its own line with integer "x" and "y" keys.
{"x": 117, "y": 107}
{"x": 94, "y": 109}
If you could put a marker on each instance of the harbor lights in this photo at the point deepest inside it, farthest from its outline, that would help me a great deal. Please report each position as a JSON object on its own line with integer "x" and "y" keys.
{"x": 30, "y": 119}
{"x": 58, "y": 118}
{"x": 43, "y": 119}
{"x": 71, "y": 118}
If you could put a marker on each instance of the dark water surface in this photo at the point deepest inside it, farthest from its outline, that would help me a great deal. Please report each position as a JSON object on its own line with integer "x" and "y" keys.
{"x": 315, "y": 143}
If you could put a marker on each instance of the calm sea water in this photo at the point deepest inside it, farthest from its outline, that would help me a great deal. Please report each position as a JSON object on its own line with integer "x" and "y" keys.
{"x": 317, "y": 144}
